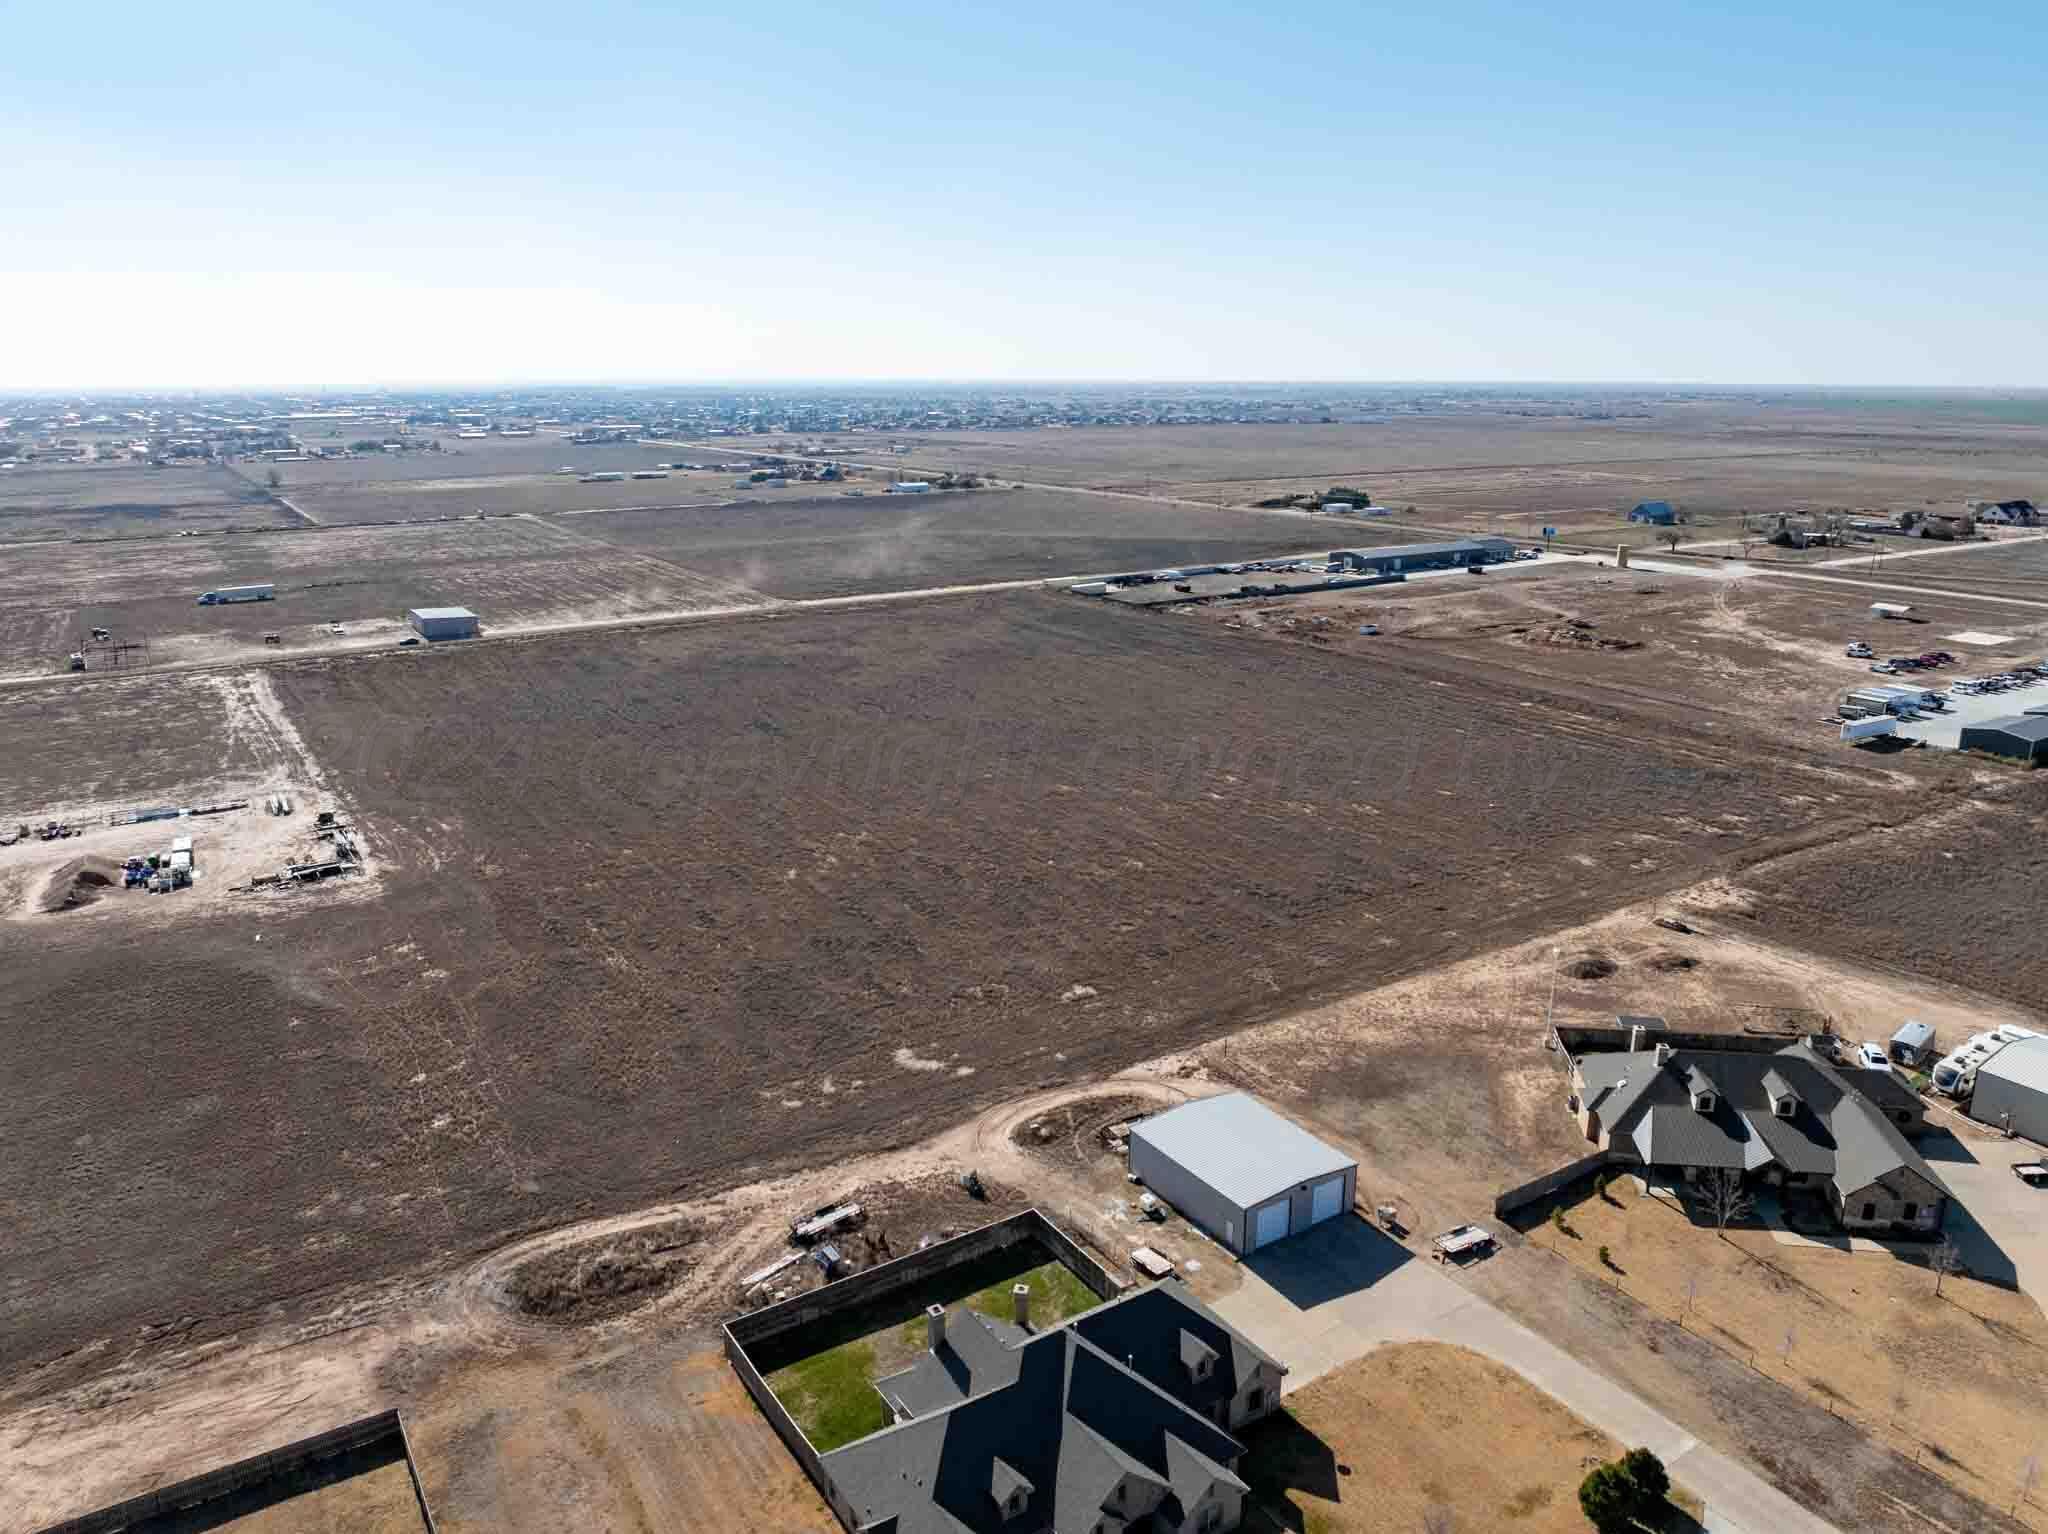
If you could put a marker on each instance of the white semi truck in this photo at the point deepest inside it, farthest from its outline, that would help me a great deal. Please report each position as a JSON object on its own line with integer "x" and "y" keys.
{"x": 263, "y": 593}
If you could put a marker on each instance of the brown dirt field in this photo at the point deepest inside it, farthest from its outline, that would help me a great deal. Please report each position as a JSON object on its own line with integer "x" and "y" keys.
{"x": 378, "y": 1501}
{"x": 1960, "y": 1382}
{"x": 1953, "y": 894}
{"x": 1420, "y": 1426}
{"x": 461, "y": 459}
{"x": 123, "y": 742}
{"x": 832, "y": 546}
{"x": 508, "y": 570}
{"x": 615, "y": 864}
{"x": 119, "y": 501}
{"x": 415, "y": 500}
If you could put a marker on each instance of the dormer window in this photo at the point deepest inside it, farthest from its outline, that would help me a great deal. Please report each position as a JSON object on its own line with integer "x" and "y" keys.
{"x": 1702, "y": 1090}
{"x": 1784, "y": 1101}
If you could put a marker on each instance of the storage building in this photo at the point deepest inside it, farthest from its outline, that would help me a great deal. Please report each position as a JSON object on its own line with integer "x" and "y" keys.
{"x": 1240, "y": 1171}
{"x": 442, "y": 622}
{"x": 2022, "y": 736}
{"x": 2012, "y": 1090}
{"x": 1426, "y": 556}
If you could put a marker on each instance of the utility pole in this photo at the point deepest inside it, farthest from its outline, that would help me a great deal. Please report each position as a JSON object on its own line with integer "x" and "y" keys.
{"x": 1550, "y": 1006}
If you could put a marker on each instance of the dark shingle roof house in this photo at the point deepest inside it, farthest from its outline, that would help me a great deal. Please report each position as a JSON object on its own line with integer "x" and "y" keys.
{"x": 1790, "y": 1116}
{"x": 1107, "y": 1423}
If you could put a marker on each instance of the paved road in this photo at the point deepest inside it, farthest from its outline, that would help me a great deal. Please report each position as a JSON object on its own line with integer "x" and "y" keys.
{"x": 1334, "y": 1294}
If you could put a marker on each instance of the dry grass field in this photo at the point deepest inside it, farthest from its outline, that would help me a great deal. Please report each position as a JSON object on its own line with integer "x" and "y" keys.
{"x": 886, "y": 844}
{"x": 1419, "y": 1428}
{"x": 1957, "y": 1381}
{"x": 378, "y": 1501}
{"x": 124, "y": 501}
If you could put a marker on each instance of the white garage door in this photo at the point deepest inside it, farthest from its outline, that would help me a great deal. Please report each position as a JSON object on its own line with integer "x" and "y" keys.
{"x": 1327, "y": 1201}
{"x": 1269, "y": 1224}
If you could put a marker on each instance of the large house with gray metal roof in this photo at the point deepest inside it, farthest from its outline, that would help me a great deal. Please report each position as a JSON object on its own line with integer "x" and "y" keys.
{"x": 1786, "y": 1119}
{"x": 1116, "y": 1422}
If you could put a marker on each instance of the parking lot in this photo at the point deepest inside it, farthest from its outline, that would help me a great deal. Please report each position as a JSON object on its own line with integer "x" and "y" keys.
{"x": 1945, "y": 729}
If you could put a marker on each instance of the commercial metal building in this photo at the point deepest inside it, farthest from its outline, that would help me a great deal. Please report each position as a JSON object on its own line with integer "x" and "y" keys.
{"x": 442, "y": 622}
{"x": 1427, "y": 556}
{"x": 2012, "y": 1090}
{"x": 2023, "y": 736}
{"x": 1240, "y": 1171}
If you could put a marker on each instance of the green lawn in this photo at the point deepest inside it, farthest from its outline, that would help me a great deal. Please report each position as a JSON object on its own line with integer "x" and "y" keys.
{"x": 832, "y": 1394}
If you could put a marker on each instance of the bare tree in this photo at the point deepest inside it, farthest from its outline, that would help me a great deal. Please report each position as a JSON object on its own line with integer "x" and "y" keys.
{"x": 1692, "y": 1295}
{"x": 1727, "y": 1199}
{"x": 1673, "y": 536}
{"x": 1946, "y": 1258}
{"x": 1436, "y": 1520}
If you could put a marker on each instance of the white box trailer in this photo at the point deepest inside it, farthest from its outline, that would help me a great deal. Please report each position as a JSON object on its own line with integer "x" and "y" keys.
{"x": 1870, "y": 729}
{"x": 265, "y": 592}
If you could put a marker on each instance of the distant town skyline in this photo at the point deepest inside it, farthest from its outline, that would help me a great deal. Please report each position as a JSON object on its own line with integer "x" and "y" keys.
{"x": 1731, "y": 197}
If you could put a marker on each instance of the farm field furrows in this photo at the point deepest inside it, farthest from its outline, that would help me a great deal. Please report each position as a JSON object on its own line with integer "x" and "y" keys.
{"x": 107, "y": 501}
{"x": 836, "y": 545}
{"x": 668, "y": 910}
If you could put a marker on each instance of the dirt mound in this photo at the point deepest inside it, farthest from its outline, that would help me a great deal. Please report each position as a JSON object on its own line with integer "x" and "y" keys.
{"x": 1589, "y": 966}
{"x": 79, "y": 882}
{"x": 1078, "y": 1131}
{"x": 1578, "y": 636}
{"x": 600, "y": 1278}
{"x": 1669, "y": 960}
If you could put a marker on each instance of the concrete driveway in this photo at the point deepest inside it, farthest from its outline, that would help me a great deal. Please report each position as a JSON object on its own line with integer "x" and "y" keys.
{"x": 1998, "y": 1223}
{"x": 1332, "y": 1294}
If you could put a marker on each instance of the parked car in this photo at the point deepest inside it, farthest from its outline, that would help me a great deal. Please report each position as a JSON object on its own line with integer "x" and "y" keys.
{"x": 1858, "y": 650}
{"x": 1872, "y": 1057}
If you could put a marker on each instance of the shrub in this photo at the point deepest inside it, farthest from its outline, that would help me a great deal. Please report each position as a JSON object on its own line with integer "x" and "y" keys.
{"x": 1605, "y": 1260}
{"x": 1652, "y": 1480}
{"x": 1608, "y": 1499}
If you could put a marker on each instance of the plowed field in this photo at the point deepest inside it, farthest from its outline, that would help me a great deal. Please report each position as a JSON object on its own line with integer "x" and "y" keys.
{"x": 668, "y": 909}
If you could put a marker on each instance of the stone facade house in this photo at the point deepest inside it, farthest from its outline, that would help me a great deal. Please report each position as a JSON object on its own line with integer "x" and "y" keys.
{"x": 1781, "y": 1120}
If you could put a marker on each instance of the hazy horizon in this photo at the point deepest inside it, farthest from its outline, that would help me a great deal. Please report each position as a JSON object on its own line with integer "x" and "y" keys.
{"x": 376, "y": 195}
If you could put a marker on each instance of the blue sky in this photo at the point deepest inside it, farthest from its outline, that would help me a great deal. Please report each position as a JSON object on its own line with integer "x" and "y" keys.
{"x": 233, "y": 194}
